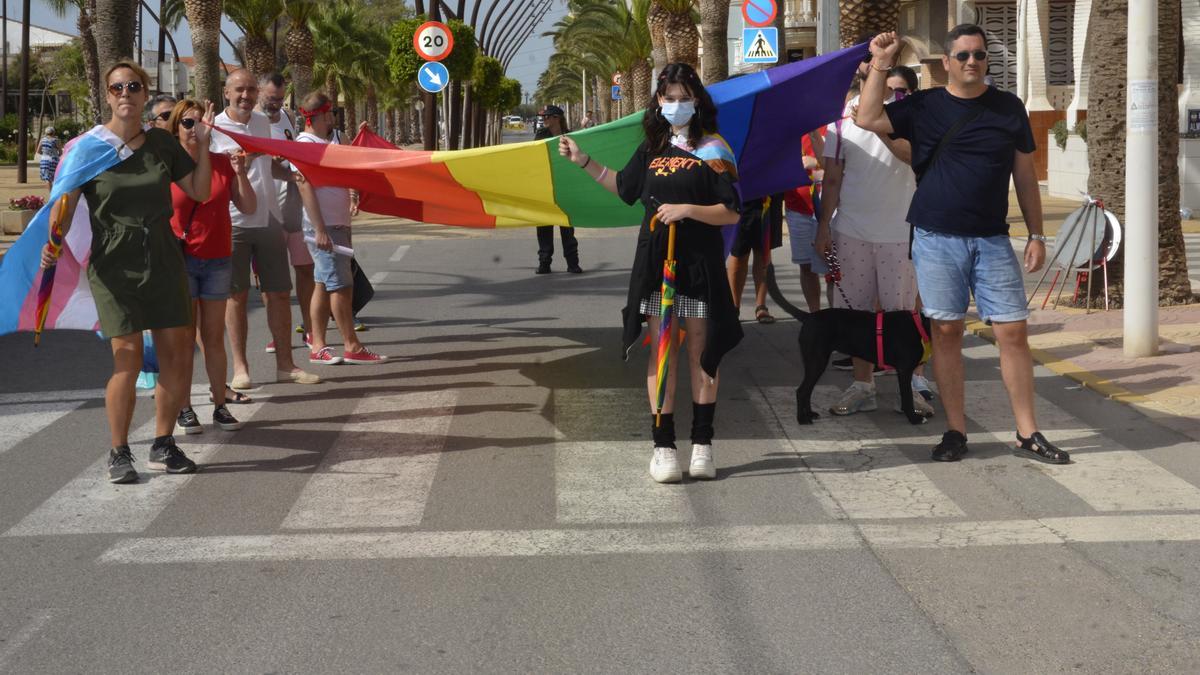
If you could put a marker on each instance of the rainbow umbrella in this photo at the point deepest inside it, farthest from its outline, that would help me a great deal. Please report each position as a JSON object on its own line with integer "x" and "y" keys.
{"x": 666, "y": 315}
{"x": 47, "y": 285}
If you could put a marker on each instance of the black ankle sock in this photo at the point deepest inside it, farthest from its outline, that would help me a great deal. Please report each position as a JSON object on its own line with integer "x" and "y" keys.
{"x": 702, "y": 422}
{"x": 119, "y": 448}
{"x": 664, "y": 433}
{"x": 162, "y": 441}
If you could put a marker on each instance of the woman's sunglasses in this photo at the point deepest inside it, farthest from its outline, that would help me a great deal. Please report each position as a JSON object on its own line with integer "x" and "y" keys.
{"x": 187, "y": 122}
{"x": 133, "y": 87}
{"x": 962, "y": 56}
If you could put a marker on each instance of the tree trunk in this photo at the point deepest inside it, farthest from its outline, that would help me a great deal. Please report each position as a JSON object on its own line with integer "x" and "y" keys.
{"x": 683, "y": 40}
{"x": 862, "y": 18}
{"x": 1174, "y": 288}
{"x": 91, "y": 61}
{"x": 1106, "y": 122}
{"x": 299, "y": 48}
{"x": 389, "y": 125}
{"x": 351, "y": 117}
{"x": 454, "y": 130}
{"x": 113, "y": 29}
{"x": 260, "y": 58}
{"x": 372, "y": 112}
{"x": 639, "y": 97}
{"x": 204, "y": 19}
{"x": 714, "y": 26}
{"x": 658, "y": 17}
{"x": 468, "y": 130}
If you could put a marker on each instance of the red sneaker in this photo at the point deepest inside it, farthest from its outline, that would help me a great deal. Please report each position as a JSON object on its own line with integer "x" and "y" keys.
{"x": 308, "y": 340}
{"x": 271, "y": 347}
{"x": 365, "y": 356}
{"x": 325, "y": 357}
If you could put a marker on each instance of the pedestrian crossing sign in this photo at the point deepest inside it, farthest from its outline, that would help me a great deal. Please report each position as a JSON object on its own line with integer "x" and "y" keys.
{"x": 760, "y": 45}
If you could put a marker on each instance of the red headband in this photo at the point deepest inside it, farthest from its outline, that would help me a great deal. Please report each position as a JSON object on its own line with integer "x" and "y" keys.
{"x": 313, "y": 113}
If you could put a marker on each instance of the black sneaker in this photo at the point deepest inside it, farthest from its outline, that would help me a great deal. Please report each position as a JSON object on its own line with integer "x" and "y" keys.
{"x": 843, "y": 364}
{"x": 952, "y": 448}
{"x": 168, "y": 457}
{"x": 188, "y": 423}
{"x": 574, "y": 268}
{"x": 224, "y": 420}
{"x": 120, "y": 466}
{"x": 543, "y": 268}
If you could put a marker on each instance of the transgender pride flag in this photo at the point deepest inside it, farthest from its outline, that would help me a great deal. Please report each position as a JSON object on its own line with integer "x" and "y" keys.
{"x": 71, "y": 304}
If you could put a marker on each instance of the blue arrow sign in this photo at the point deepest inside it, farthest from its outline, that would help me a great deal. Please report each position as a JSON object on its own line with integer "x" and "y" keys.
{"x": 760, "y": 45}
{"x": 433, "y": 77}
{"x": 616, "y": 92}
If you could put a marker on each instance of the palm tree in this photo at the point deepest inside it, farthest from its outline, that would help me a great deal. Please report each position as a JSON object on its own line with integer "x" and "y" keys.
{"x": 112, "y": 26}
{"x": 204, "y": 19}
{"x": 680, "y": 35}
{"x": 1107, "y": 30}
{"x": 604, "y": 37}
{"x": 256, "y": 18}
{"x": 866, "y": 17}
{"x": 714, "y": 26}
{"x": 298, "y": 44}
{"x": 91, "y": 61}
{"x": 338, "y": 38}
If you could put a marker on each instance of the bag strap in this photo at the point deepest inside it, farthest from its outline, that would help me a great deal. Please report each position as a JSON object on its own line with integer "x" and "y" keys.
{"x": 187, "y": 227}
{"x": 970, "y": 116}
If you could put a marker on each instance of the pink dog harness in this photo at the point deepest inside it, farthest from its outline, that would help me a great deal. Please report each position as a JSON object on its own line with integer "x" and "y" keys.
{"x": 927, "y": 346}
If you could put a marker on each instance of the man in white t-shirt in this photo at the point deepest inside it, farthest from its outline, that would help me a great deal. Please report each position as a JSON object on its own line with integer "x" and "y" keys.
{"x": 866, "y": 191}
{"x": 327, "y": 213}
{"x": 272, "y": 90}
{"x": 258, "y": 236}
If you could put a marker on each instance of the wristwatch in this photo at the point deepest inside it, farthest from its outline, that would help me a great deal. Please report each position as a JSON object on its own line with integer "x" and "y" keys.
{"x": 1037, "y": 237}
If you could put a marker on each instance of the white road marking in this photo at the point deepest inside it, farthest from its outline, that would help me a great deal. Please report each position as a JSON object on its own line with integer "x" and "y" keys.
{"x": 12, "y": 645}
{"x": 400, "y": 251}
{"x": 22, "y": 420}
{"x": 1106, "y": 475}
{"x": 378, "y": 277}
{"x": 865, "y": 475}
{"x": 609, "y": 482}
{"x": 381, "y": 467}
{"x": 652, "y": 541}
{"x": 89, "y": 504}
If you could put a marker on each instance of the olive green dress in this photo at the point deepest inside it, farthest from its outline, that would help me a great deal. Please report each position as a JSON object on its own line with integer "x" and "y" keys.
{"x": 136, "y": 273}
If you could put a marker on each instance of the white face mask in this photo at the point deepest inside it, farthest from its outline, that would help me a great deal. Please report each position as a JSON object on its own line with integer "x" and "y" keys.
{"x": 678, "y": 113}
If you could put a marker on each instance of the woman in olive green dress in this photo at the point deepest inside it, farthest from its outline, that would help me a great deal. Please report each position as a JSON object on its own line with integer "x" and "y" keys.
{"x": 136, "y": 271}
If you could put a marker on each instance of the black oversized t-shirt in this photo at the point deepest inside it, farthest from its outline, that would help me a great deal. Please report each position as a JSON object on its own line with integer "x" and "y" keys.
{"x": 965, "y": 192}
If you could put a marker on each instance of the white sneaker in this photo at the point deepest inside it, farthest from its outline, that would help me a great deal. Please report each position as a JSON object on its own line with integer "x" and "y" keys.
{"x": 859, "y": 397}
{"x": 920, "y": 406}
{"x": 920, "y": 385}
{"x": 702, "y": 462}
{"x": 664, "y": 466}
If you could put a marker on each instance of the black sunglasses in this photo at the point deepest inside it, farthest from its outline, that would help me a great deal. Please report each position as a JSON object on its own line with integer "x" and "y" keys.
{"x": 962, "y": 56}
{"x": 187, "y": 122}
{"x": 162, "y": 116}
{"x": 133, "y": 87}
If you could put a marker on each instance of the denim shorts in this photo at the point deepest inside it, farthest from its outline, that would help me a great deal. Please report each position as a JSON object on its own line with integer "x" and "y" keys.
{"x": 802, "y": 232}
{"x": 209, "y": 278}
{"x": 951, "y": 268}
{"x": 331, "y": 270}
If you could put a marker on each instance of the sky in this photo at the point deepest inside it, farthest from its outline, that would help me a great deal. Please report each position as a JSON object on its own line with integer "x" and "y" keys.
{"x": 526, "y": 66}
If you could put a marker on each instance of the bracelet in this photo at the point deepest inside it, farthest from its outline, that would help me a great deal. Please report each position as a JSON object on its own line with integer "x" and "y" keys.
{"x": 873, "y": 67}
{"x": 585, "y": 164}
{"x": 603, "y": 173}
{"x": 1038, "y": 237}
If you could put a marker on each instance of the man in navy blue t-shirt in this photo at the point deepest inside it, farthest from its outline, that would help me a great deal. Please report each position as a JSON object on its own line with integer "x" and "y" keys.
{"x": 959, "y": 216}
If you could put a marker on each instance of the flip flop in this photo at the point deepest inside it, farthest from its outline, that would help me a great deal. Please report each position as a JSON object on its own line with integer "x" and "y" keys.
{"x": 762, "y": 315}
{"x": 233, "y": 396}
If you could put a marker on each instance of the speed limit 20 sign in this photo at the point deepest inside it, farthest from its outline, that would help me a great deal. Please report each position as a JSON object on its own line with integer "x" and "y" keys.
{"x": 433, "y": 41}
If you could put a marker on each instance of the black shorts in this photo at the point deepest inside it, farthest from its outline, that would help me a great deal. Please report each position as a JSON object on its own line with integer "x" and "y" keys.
{"x": 759, "y": 229}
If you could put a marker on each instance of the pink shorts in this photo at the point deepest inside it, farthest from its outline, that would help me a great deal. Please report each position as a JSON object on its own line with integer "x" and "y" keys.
{"x": 297, "y": 250}
{"x": 875, "y": 276}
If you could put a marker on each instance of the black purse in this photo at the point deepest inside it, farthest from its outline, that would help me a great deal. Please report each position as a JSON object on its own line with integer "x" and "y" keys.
{"x": 363, "y": 290}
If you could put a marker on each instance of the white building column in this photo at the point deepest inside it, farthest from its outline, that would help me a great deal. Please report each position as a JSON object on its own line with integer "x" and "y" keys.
{"x": 1141, "y": 186}
{"x": 1190, "y": 96}
{"x": 1032, "y": 37}
{"x": 828, "y": 20}
{"x": 1083, "y": 12}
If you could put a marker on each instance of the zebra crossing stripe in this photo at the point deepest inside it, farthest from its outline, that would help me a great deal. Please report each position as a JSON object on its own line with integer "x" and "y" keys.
{"x": 399, "y": 253}
{"x": 607, "y": 482}
{"x": 1106, "y": 475}
{"x": 865, "y": 474}
{"x": 89, "y": 504}
{"x": 654, "y": 541}
{"x": 382, "y": 465}
{"x": 20, "y": 421}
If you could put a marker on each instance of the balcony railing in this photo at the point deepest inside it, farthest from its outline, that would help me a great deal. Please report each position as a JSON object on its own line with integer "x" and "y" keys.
{"x": 800, "y": 12}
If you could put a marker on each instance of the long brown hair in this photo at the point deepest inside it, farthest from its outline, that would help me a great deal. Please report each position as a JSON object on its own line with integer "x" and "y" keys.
{"x": 658, "y": 129}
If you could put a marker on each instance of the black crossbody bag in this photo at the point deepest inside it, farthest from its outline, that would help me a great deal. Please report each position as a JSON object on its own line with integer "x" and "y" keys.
{"x": 968, "y": 117}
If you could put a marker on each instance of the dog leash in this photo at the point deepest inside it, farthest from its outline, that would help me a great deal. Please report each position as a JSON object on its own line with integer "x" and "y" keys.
{"x": 926, "y": 344}
{"x": 834, "y": 275}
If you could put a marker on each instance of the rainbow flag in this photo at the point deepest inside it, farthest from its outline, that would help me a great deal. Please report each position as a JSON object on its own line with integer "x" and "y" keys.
{"x": 70, "y": 303}
{"x": 762, "y": 117}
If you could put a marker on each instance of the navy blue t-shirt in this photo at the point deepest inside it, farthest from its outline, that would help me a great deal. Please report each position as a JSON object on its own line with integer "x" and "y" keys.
{"x": 966, "y": 191}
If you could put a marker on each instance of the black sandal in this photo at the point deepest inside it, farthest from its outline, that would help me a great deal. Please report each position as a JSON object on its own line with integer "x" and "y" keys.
{"x": 1037, "y": 447}
{"x": 233, "y": 396}
{"x": 763, "y": 315}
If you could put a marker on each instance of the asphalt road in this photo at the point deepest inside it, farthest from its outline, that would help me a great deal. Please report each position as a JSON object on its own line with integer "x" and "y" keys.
{"x": 481, "y": 504}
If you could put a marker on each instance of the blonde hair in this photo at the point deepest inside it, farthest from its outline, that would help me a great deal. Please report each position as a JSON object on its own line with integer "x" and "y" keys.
{"x": 137, "y": 70}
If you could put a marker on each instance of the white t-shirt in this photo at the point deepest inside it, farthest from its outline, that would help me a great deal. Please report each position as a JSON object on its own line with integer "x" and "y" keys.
{"x": 334, "y": 201}
{"x": 876, "y": 186}
{"x": 258, "y": 172}
{"x": 283, "y": 130}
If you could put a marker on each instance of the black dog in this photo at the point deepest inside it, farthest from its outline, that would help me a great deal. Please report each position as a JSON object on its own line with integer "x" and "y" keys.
{"x": 853, "y": 332}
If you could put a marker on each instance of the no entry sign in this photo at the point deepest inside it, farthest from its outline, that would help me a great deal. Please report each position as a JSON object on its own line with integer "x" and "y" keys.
{"x": 759, "y": 13}
{"x": 433, "y": 41}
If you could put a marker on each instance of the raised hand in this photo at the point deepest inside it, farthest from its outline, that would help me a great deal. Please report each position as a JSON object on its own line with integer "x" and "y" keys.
{"x": 885, "y": 47}
{"x": 204, "y": 129}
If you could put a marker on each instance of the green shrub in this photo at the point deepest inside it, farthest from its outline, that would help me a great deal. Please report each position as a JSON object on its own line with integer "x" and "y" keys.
{"x": 1060, "y": 134}
{"x": 68, "y": 128}
{"x": 1081, "y": 129}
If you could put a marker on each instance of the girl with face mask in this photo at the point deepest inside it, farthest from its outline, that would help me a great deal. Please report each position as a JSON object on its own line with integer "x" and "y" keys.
{"x": 683, "y": 172}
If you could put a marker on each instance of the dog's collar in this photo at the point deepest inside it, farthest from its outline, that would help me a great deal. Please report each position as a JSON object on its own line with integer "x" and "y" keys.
{"x": 926, "y": 344}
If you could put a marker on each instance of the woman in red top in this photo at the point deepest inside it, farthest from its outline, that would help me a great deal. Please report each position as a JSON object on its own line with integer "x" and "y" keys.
{"x": 207, "y": 235}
